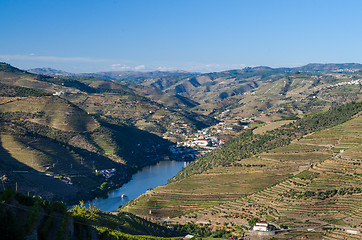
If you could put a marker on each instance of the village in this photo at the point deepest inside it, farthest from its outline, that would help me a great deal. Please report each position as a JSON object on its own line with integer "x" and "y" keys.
{"x": 205, "y": 140}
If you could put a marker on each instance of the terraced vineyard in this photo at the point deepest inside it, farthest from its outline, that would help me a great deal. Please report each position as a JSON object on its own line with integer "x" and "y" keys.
{"x": 325, "y": 193}
{"x": 315, "y": 181}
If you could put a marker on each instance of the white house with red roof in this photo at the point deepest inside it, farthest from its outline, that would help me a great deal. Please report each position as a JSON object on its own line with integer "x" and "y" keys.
{"x": 261, "y": 226}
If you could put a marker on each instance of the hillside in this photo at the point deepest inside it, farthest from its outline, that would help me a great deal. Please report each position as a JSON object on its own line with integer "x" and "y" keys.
{"x": 51, "y": 147}
{"x": 331, "y": 67}
{"x": 34, "y": 218}
{"x": 248, "y": 92}
{"x": 317, "y": 162}
{"x": 92, "y": 118}
{"x": 49, "y": 72}
{"x": 266, "y": 93}
{"x": 141, "y": 107}
{"x": 144, "y": 112}
{"x": 295, "y": 130}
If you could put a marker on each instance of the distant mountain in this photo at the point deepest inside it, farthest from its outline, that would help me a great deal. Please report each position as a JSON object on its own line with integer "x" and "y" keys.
{"x": 134, "y": 76}
{"x": 50, "y": 72}
{"x": 212, "y": 92}
{"x": 127, "y": 76}
{"x": 327, "y": 67}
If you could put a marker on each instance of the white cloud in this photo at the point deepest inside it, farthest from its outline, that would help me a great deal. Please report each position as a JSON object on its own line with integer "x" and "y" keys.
{"x": 216, "y": 67}
{"x": 34, "y": 57}
{"x": 124, "y": 67}
{"x": 202, "y": 67}
{"x": 163, "y": 68}
{"x": 120, "y": 67}
{"x": 140, "y": 67}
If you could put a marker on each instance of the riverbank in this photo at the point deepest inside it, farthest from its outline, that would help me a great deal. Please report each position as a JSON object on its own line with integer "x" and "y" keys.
{"x": 148, "y": 177}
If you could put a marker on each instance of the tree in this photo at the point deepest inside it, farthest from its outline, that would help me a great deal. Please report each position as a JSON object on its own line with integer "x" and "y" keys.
{"x": 253, "y": 221}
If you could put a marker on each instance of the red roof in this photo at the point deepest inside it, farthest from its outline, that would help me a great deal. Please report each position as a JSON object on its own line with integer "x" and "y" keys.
{"x": 261, "y": 224}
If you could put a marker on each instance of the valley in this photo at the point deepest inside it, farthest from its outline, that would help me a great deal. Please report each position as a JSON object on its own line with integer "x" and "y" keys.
{"x": 265, "y": 143}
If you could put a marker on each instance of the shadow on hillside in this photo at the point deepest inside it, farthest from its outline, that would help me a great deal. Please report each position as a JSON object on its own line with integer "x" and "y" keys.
{"x": 31, "y": 182}
{"x": 137, "y": 147}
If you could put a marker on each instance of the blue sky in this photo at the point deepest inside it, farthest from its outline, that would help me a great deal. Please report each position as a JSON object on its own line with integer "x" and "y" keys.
{"x": 192, "y": 35}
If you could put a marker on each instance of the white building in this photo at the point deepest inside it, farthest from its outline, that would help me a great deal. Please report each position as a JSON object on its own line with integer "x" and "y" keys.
{"x": 201, "y": 142}
{"x": 261, "y": 226}
{"x": 58, "y": 93}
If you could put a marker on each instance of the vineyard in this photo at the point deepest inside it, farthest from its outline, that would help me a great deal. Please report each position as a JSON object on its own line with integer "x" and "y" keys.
{"x": 314, "y": 182}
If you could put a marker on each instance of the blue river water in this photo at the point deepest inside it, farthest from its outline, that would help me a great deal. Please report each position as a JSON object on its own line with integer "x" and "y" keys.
{"x": 148, "y": 177}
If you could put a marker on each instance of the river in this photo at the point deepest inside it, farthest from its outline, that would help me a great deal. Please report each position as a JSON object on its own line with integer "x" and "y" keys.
{"x": 148, "y": 177}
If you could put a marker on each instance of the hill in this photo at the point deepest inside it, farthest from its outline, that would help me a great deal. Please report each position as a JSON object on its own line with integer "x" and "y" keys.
{"x": 50, "y": 72}
{"x": 144, "y": 108}
{"x": 58, "y": 130}
{"x": 331, "y": 67}
{"x": 52, "y": 147}
{"x": 269, "y": 91}
{"x": 274, "y": 179}
{"x": 35, "y": 218}
{"x": 269, "y": 173}
{"x": 276, "y": 88}
{"x": 95, "y": 116}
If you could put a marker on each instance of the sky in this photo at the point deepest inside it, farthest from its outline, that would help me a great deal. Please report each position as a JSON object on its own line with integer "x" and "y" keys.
{"x": 191, "y": 35}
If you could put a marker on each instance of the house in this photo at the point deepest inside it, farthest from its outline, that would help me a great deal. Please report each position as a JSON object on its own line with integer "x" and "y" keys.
{"x": 261, "y": 226}
{"x": 352, "y": 231}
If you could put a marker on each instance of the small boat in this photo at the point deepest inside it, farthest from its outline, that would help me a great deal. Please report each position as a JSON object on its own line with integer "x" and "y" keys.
{"x": 123, "y": 196}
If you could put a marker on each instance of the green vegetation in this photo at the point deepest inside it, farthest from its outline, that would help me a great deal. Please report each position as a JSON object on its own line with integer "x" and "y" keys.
{"x": 253, "y": 221}
{"x": 8, "y": 68}
{"x": 15, "y": 91}
{"x": 248, "y": 144}
{"x": 32, "y": 213}
{"x": 106, "y": 233}
{"x": 322, "y": 194}
{"x": 33, "y": 216}
{"x": 48, "y": 217}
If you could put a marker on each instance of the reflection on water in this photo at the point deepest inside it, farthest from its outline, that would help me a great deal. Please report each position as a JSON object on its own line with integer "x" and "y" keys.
{"x": 148, "y": 177}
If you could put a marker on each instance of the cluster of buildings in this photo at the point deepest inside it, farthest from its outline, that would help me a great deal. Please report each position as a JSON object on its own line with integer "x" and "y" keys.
{"x": 202, "y": 139}
{"x": 60, "y": 93}
{"x": 67, "y": 180}
{"x": 353, "y": 82}
{"x": 107, "y": 173}
{"x": 211, "y": 142}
